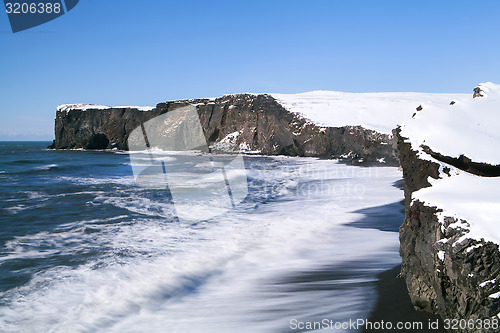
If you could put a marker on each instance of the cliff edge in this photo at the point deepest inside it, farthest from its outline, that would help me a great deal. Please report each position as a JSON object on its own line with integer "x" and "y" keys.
{"x": 248, "y": 123}
{"x": 449, "y": 239}
{"x": 328, "y": 124}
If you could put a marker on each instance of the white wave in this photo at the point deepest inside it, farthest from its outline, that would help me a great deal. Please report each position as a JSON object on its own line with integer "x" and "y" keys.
{"x": 42, "y": 196}
{"x": 34, "y": 194}
{"x": 123, "y": 180}
{"x": 47, "y": 167}
{"x": 158, "y": 151}
{"x": 38, "y": 195}
{"x": 247, "y": 272}
{"x": 113, "y": 236}
{"x": 139, "y": 161}
{"x": 16, "y": 209}
{"x": 140, "y": 205}
{"x": 19, "y": 208}
{"x": 75, "y": 224}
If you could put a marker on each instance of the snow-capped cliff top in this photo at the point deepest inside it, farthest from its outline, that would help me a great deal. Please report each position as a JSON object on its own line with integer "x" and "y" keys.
{"x": 85, "y": 107}
{"x": 467, "y": 197}
{"x": 469, "y": 127}
{"x": 377, "y": 111}
{"x": 140, "y": 108}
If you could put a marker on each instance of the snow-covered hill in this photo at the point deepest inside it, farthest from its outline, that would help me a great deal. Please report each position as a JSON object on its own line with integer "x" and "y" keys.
{"x": 381, "y": 112}
{"x": 470, "y": 127}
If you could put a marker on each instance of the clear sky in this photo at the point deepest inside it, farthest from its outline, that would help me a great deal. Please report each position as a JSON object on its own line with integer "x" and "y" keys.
{"x": 133, "y": 52}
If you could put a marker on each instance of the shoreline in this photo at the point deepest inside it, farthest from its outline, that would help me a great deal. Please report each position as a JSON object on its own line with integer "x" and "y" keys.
{"x": 394, "y": 305}
{"x": 393, "y": 302}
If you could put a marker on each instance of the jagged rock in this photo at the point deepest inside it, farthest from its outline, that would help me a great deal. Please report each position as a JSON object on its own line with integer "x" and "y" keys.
{"x": 416, "y": 171}
{"x": 254, "y": 123}
{"x": 444, "y": 274}
{"x": 478, "y": 92}
{"x": 466, "y": 164}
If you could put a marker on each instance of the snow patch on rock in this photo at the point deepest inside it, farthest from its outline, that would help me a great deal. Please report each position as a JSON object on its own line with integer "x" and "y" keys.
{"x": 467, "y": 197}
{"x": 486, "y": 282}
{"x": 228, "y": 143}
{"x": 85, "y": 107}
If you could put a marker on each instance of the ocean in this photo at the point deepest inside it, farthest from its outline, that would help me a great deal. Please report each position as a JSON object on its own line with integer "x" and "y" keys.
{"x": 84, "y": 249}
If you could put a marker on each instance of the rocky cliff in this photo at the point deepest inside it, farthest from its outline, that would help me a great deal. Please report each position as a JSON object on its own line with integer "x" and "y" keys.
{"x": 449, "y": 246}
{"x": 243, "y": 122}
{"x": 447, "y": 151}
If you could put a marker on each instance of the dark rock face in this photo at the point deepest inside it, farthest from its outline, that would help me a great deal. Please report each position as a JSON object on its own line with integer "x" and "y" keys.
{"x": 415, "y": 171}
{"x": 263, "y": 126}
{"x": 91, "y": 129}
{"x": 478, "y": 92}
{"x": 466, "y": 164}
{"x": 98, "y": 141}
{"x": 447, "y": 283}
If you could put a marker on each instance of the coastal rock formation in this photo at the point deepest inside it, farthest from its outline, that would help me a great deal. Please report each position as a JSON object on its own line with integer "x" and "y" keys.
{"x": 449, "y": 244}
{"x": 443, "y": 276}
{"x": 447, "y": 151}
{"x": 232, "y": 123}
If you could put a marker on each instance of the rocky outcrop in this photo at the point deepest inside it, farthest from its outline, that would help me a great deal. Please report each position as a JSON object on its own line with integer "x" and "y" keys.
{"x": 243, "y": 122}
{"x": 448, "y": 240}
{"x": 445, "y": 273}
{"x": 464, "y": 163}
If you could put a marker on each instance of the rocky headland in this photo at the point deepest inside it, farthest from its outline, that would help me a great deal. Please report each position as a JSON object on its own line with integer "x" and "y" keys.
{"x": 446, "y": 144}
{"x": 245, "y": 123}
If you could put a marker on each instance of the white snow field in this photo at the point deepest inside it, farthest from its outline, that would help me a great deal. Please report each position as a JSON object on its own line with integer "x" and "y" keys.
{"x": 381, "y": 112}
{"x": 469, "y": 127}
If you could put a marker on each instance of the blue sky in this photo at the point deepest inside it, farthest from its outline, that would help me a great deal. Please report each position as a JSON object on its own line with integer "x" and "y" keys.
{"x": 135, "y": 52}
